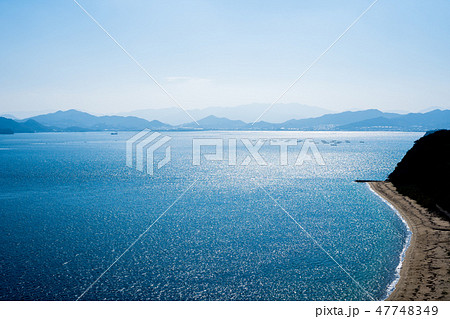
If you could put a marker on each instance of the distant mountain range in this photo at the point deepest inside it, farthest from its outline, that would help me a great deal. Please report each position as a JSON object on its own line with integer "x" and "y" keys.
{"x": 247, "y": 113}
{"x": 368, "y": 120}
{"x": 335, "y": 121}
{"x": 408, "y": 122}
{"x": 9, "y": 126}
{"x": 73, "y": 120}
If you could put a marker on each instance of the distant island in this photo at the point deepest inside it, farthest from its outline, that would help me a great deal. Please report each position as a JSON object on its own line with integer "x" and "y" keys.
{"x": 419, "y": 189}
{"x": 367, "y": 120}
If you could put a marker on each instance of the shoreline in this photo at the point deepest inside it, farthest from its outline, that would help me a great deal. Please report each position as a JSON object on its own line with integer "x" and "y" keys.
{"x": 424, "y": 268}
{"x": 408, "y": 242}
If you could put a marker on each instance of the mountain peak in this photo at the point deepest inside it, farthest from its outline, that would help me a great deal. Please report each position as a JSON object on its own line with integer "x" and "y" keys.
{"x": 74, "y": 118}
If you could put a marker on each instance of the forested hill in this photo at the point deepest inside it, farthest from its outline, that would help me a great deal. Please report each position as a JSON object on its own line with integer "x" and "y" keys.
{"x": 424, "y": 172}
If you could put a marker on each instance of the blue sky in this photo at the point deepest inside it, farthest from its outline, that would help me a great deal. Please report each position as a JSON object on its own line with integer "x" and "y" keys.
{"x": 223, "y": 53}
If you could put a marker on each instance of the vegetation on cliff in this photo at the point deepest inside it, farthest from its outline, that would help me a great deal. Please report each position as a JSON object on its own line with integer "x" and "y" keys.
{"x": 424, "y": 172}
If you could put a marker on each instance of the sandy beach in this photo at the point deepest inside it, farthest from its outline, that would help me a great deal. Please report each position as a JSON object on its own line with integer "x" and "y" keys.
{"x": 425, "y": 271}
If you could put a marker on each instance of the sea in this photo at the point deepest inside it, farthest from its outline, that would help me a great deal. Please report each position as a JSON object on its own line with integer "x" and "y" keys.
{"x": 77, "y": 223}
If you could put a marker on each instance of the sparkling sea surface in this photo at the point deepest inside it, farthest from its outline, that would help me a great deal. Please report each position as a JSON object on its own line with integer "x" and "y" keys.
{"x": 69, "y": 206}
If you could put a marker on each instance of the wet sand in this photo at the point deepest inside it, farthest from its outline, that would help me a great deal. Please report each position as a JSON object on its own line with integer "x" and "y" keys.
{"x": 425, "y": 273}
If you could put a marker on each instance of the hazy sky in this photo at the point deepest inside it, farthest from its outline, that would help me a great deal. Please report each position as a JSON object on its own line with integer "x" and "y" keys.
{"x": 223, "y": 53}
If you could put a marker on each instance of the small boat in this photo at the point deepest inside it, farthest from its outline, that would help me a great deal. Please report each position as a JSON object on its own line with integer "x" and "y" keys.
{"x": 114, "y": 133}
